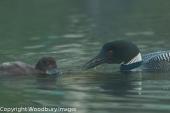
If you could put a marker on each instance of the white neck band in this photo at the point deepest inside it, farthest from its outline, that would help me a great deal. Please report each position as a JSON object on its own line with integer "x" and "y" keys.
{"x": 137, "y": 58}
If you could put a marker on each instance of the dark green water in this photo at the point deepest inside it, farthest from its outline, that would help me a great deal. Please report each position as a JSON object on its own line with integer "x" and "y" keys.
{"x": 73, "y": 31}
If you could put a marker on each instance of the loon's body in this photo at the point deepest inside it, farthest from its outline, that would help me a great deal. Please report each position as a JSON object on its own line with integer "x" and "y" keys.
{"x": 157, "y": 61}
{"x": 128, "y": 55}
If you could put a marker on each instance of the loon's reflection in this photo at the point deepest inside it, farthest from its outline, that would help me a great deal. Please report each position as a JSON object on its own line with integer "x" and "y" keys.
{"x": 122, "y": 84}
{"x": 46, "y": 82}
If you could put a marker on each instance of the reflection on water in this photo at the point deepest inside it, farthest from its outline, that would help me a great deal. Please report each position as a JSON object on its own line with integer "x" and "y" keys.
{"x": 91, "y": 92}
{"x": 73, "y": 32}
{"x": 123, "y": 85}
{"x": 139, "y": 33}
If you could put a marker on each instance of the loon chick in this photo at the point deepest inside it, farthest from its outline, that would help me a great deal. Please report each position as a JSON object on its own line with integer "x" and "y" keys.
{"x": 128, "y": 55}
{"x": 45, "y": 66}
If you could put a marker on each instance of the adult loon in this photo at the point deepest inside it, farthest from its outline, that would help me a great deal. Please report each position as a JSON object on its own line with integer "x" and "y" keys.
{"x": 45, "y": 66}
{"x": 128, "y": 55}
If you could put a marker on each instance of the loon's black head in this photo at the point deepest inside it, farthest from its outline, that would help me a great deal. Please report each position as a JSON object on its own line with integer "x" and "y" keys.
{"x": 115, "y": 52}
{"x": 47, "y": 65}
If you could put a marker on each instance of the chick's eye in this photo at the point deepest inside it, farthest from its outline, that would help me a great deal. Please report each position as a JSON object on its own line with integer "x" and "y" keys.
{"x": 51, "y": 63}
{"x": 46, "y": 63}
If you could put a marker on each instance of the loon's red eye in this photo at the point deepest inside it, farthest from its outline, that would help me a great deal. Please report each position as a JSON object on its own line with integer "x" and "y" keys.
{"x": 110, "y": 54}
{"x": 110, "y": 51}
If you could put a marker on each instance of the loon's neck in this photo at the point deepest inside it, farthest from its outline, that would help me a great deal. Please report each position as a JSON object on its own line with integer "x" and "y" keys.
{"x": 134, "y": 63}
